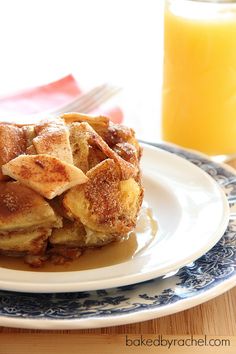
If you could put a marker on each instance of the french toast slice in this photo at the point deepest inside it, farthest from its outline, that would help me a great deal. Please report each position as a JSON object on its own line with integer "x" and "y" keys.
{"x": 24, "y": 242}
{"x": 72, "y": 234}
{"x": 111, "y": 133}
{"x": 79, "y": 146}
{"x": 45, "y": 174}
{"x": 106, "y": 203}
{"x": 99, "y": 123}
{"x": 53, "y": 139}
{"x": 87, "y": 168}
{"x": 21, "y": 208}
{"x": 75, "y": 234}
{"x": 29, "y": 134}
{"x": 12, "y": 144}
{"x": 127, "y": 170}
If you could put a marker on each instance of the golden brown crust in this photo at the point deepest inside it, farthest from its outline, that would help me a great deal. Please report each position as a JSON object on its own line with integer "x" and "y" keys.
{"x": 22, "y": 243}
{"x": 117, "y": 134}
{"x": 103, "y": 203}
{"x": 79, "y": 146}
{"x": 127, "y": 170}
{"x": 128, "y": 152}
{"x": 29, "y": 134}
{"x": 22, "y": 208}
{"x": 102, "y": 191}
{"x": 12, "y": 144}
{"x": 95, "y": 156}
{"x": 99, "y": 123}
{"x": 45, "y": 174}
{"x": 89, "y": 169}
{"x": 30, "y": 150}
{"x": 53, "y": 139}
{"x": 15, "y": 199}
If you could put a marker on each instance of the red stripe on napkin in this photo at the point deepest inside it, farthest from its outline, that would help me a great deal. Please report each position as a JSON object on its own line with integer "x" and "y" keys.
{"x": 48, "y": 98}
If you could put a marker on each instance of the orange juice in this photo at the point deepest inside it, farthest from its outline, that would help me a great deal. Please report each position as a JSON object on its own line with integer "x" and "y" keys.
{"x": 199, "y": 88}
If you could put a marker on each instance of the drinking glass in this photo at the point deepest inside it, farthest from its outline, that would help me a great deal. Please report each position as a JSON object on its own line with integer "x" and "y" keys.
{"x": 199, "y": 83}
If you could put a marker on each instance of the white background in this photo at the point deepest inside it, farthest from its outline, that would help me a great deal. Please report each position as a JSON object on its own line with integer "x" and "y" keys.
{"x": 98, "y": 40}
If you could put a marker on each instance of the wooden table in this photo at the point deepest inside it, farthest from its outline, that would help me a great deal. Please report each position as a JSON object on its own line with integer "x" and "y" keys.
{"x": 213, "y": 318}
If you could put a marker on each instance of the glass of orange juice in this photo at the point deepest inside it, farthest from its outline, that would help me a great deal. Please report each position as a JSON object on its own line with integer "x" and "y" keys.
{"x": 199, "y": 84}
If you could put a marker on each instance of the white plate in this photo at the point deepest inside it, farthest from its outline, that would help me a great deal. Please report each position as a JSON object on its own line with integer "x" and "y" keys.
{"x": 199, "y": 281}
{"x": 192, "y": 214}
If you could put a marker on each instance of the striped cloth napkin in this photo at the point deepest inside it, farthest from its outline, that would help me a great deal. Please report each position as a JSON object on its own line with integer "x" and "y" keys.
{"x": 48, "y": 98}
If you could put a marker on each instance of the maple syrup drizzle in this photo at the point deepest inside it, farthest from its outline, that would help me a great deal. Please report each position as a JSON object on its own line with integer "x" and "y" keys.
{"x": 113, "y": 253}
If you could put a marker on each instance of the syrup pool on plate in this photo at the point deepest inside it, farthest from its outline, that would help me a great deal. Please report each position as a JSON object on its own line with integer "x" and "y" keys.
{"x": 113, "y": 253}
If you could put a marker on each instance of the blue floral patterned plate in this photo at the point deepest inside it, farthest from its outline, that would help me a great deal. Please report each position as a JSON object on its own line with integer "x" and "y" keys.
{"x": 205, "y": 278}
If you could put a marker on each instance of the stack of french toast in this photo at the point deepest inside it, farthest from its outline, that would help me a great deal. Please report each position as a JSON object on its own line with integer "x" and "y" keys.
{"x": 67, "y": 183}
